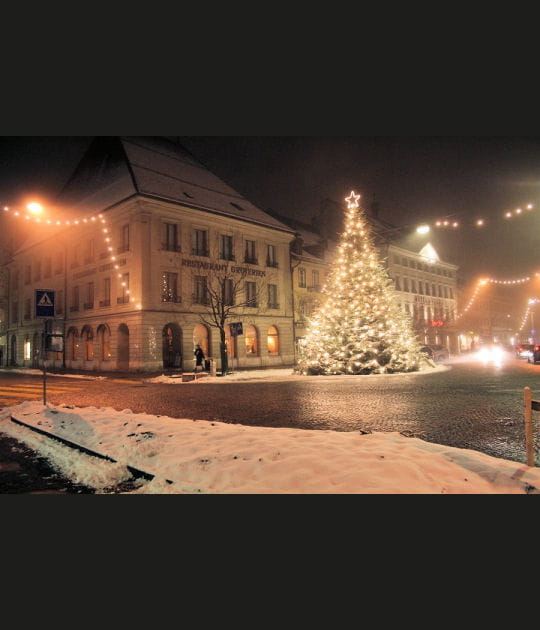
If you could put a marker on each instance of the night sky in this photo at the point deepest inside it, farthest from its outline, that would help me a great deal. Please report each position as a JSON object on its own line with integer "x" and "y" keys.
{"x": 413, "y": 179}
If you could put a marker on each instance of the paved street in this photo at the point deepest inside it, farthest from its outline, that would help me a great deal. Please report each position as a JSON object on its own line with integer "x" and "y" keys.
{"x": 467, "y": 406}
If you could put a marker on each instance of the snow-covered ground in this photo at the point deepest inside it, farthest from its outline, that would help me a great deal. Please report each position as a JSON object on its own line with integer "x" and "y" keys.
{"x": 212, "y": 457}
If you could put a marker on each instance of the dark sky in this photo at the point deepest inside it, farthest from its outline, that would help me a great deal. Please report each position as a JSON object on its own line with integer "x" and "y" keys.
{"x": 412, "y": 178}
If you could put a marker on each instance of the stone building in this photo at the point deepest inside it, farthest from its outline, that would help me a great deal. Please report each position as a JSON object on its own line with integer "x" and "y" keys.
{"x": 427, "y": 290}
{"x": 150, "y": 228}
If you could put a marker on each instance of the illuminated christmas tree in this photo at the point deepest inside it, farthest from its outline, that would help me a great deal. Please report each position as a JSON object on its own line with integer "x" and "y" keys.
{"x": 359, "y": 327}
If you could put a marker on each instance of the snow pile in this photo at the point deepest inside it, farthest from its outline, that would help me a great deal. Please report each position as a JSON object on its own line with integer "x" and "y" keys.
{"x": 211, "y": 457}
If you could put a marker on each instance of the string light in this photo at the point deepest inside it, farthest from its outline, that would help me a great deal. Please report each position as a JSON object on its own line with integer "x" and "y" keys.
{"x": 36, "y": 208}
{"x": 486, "y": 281}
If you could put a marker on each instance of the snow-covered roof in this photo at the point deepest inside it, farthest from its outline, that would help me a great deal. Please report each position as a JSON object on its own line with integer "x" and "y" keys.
{"x": 119, "y": 167}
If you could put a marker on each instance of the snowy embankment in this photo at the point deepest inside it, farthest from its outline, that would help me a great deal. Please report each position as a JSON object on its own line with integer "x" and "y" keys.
{"x": 217, "y": 458}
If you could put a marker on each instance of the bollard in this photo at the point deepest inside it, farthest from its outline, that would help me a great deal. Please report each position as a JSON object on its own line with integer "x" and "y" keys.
{"x": 529, "y": 439}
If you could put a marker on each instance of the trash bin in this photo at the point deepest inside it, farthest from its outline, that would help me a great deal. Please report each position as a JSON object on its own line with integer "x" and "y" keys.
{"x": 207, "y": 365}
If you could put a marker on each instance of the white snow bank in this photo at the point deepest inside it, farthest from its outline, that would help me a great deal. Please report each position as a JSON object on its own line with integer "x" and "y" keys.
{"x": 212, "y": 457}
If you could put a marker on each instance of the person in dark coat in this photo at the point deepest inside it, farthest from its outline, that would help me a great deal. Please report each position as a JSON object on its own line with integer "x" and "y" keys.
{"x": 199, "y": 356}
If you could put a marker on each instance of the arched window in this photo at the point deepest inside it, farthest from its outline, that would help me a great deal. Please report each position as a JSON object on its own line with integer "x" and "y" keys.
{"x": 273, "y": 341}
{"x": 200, "y": 336}
{"x": 88, "y": 341}
{"x": 73, "y": 343}
{"x": 252, "y": 344}
{"x": 104, "y": 340}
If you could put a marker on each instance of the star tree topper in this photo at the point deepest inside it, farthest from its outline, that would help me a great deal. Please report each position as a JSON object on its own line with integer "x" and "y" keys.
{"x": 353, "y": 200}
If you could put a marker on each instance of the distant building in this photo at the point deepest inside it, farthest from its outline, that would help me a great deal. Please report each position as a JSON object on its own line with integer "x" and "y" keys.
{"x": 427, "y": 290}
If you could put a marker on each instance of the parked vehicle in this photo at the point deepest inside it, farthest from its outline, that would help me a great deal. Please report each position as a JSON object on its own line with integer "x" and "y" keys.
{"x": 534, "y": 356}
{"x": 524, "y": 351}
{"x": 436, "y": 353}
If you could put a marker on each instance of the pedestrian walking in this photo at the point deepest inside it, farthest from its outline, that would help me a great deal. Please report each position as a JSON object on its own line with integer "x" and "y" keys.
{"x": 199, "y": 358}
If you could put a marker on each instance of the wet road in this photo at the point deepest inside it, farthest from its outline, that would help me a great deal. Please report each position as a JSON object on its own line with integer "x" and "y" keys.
{"x": 469, "y": 405}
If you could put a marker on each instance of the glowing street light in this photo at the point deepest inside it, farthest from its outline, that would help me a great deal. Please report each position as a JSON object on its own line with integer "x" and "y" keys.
{"x": 35, "y": 208}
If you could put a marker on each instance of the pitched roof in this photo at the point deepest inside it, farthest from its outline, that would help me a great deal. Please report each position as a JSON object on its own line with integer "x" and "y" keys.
{"x": 116, "y": 168}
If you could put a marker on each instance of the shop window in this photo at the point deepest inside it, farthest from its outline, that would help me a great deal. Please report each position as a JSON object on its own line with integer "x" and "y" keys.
{"x": 273, "y": 341}
{"x": 252, "y": 344}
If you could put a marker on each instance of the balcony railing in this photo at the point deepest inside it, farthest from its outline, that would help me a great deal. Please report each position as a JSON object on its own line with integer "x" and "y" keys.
{"x": 228, "y": 257}
{"x": 168, "y": 299}
{"x": 250, "y": 260}
{"x": 104, "y": 303}
{"x": 274, "y": 305}
{"x": 122, "y": 300}
{"x": 88, "y": 306}
{"x": 200, "y": 252}
{"x": 74, "y": 309}
{"x": 122, "y": 249}
{"x": 272, "y": 264}
{"x": 169, "y": 247}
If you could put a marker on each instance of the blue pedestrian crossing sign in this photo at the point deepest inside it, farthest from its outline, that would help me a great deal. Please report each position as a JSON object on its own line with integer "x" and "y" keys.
{"x": 44, "y": 303}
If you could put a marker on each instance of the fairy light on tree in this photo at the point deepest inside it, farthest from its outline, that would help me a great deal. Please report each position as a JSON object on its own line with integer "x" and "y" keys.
{"x": 359, "y": 327}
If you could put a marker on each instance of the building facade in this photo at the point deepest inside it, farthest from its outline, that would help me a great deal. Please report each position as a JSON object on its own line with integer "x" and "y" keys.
{"x": 427, "y": 291}
{"x": 133, "y": 282}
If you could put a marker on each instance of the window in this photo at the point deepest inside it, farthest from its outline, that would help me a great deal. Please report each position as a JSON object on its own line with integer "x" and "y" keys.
{"x": 89, "y": 304}
{"x": 273, "y": 296}
{"x": 451, "y": 292}
{"x": 170, "y": 240}
{"x": 104, "y": 339}
{"x": 59, "y": 306}
{"x": 15, "y": 279}
{"x": 200, "y": 242}
{"x": 404, "y": 262}
{"x": 413, "y": 286}
{"x": 427, "y": 289}
{"x": 106, "y": 292}
{"x": 226, "y": 251}
{"x": 74, "y": 300}
{"x": 73, "y": 343}
{"x": 124, "y": 239}
{"x": 58, "y": 264}
{"x": 273, "y": 341}
{"x": 169, "y": 288}
{"x": 37, "y": 271}
{"x": 89, "y": 252}
{"x": 315, "y": 281}
{"x": 446, "y": 292}
{"x": 201, "y": 291}
{"x": 27, "y": 274}
{"x": 27, "y": 350}
{"x": 251, "y": 253}
{"x": 420, "y": 287}
{"x": 251, "y": 294}
{"x": 302, "y": 278}
{"x": 88, "y": 341}
{"x": 398, "y": 283}
{"x": 228, "y": 292}
{"x": 47, "y": 267}
{"x": 252, "y": 344}
{"x": 75, "y": 256}
{"x": 124, "y": 289}
{"x": 27, "y": 309}
{"x": 433, "y": 290}
{"x": 14, "y": 312}
{"x": 271, "y": 257}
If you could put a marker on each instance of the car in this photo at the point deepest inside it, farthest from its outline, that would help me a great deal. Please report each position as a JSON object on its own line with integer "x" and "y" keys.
{"x": 534, "y": 356}
{"x": 436, "y": 353}
{"x": 524, "y": 350}
{"x": 491, "y": 353}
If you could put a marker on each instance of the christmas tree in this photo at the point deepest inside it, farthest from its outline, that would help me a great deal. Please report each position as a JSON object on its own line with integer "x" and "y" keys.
{"x": 359, "y": 328}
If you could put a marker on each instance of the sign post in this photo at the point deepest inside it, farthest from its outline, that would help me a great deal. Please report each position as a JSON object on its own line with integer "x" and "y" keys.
{"x": 45, "y": 310}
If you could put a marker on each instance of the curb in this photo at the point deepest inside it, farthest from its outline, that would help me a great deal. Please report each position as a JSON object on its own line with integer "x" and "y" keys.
{"x": 136, "y": 472}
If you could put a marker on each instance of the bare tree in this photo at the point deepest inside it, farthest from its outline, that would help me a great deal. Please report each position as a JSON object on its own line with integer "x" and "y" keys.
{"x": 224, "y": 294}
